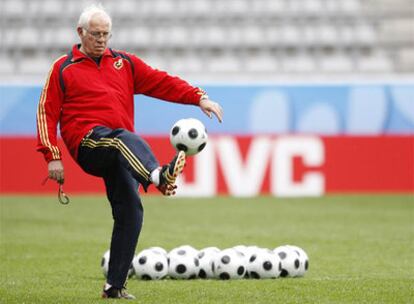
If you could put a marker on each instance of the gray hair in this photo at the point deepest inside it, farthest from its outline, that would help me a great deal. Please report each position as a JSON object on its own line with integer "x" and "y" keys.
{"x": 89, "y": 12}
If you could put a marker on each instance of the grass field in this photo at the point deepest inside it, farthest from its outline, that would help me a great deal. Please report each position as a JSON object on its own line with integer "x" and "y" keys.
{"x": 361, "y": 248}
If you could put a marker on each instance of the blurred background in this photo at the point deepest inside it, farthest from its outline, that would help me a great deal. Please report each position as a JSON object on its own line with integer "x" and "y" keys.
{"x": 232, "y": 40}
{"x": 340, "y": 72}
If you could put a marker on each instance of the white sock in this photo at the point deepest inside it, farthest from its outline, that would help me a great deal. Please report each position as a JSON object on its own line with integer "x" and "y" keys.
{"x": 107, "y": 286}
{"x": 155, "y": 176}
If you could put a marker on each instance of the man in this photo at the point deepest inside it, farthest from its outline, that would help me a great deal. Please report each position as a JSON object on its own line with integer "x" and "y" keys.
{"x": 89, "y": 92}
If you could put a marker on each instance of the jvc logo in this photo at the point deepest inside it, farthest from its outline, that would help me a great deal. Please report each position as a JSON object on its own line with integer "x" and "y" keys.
{"x": 244, "y": 175}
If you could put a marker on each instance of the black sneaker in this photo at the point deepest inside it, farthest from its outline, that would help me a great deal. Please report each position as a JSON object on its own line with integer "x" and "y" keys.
{"x": 116, "y": 293}
{"x": 169, "y": 174}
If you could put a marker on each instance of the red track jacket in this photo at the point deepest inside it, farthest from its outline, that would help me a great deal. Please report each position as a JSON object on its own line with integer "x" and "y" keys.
{"x": 79, "y": 95}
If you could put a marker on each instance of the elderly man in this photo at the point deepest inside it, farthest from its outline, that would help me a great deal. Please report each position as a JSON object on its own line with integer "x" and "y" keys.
{"x": 90, "y": 93}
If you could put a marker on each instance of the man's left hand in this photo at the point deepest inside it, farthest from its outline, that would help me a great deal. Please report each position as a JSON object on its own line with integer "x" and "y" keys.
{"x": 210, "y": 107}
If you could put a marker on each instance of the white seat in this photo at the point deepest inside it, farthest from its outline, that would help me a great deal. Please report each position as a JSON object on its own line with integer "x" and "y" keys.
{"x": 163, "y": 8}
{"x": 39, "y": 65}
{"x": 198, "y": 7}
{"x": 406, "y": 59}
{"x": 350, "y": 6}
{"x": 65, "y": 37}
{"x": 301, "y": 63}
{"x": 234, "y": 36}
{"x": 177, "y": 36}
{"x": 14, "y": 8}
{"x": 290, "y": 35}
{"x": 215, "y": 36}
{"x": 346, "y": 35}
{"x": 310, "y": 35}
{"x": 8, "y": 65}
{"x": 121, "y": 9}
{"x": 156, "y": 61}
{"x": 28, "y": 37}
{"x": 262, "y": 64}
{"x": 377, "y": 62}
{"x": 254, "y": 36}
{"x": 136, "y": 37}
{"x": 327, "y": 34}
{"x": 277, "y": 7}
{"x": 313, "y": 6}
{"x": 336, "y": 63}
{"x": 273, "y": 36}
{"x": 189, "y": 63}
{"x": 365, "y": 34}
{"x": 224, "y": 64}
{"x": 51, "y": 8}
{"x": 238, "y": 7}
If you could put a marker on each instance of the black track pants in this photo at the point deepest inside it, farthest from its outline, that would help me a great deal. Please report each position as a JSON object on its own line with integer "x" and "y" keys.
{"x": 124, "y": 160}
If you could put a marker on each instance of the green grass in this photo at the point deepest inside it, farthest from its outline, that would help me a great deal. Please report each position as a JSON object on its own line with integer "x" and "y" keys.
{"x": 361, "y": 248}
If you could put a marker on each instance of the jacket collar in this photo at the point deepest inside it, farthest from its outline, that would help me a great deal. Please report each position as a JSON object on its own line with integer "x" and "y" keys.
{"x": 77, "y": 54}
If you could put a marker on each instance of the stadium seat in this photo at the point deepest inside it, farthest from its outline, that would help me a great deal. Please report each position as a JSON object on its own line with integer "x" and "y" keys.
{"x": 7, "y": 64}
{"x": 377, "y": 62}
{"x": 301, "y": 29}
{"x": 337, "y": 63}
{"x": 300, "y": 63}
{"x": 261, "y": 63}
{"x": 35, "y": 65}
{"x": 225, "y": 63}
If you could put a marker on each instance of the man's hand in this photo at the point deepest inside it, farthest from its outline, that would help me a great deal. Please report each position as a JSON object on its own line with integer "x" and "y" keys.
{"x": 208, "y": 106}
{"x": 56, "y": 172}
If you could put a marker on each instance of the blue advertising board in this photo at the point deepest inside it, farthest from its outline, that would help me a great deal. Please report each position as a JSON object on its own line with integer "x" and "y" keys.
{"x": 330, "y": 109}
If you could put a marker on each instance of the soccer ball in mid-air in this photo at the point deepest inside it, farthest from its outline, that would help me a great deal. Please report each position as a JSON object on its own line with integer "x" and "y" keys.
{"x": 188, "y": 135}
{"x": 105, "y": 265}
{"x": 183, "y": 263}
{"x": 264, "y": 264}
{"x": 290, "y": 261}
{"x": 150, "y": 264}
{"x": 229, "y": 264}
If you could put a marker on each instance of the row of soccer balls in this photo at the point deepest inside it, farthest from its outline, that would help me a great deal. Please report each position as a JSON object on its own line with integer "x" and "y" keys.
{"x": 186, "y": 262}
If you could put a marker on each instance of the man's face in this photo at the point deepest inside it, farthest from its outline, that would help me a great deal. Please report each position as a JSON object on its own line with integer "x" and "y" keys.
{"x": 95, "y": 38}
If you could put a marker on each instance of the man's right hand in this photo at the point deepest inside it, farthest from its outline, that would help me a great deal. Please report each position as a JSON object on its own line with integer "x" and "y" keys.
{"x": 56, "y": 172}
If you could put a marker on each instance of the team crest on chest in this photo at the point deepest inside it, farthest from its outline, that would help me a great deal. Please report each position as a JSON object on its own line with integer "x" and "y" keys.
{"x": 118, "y": 64}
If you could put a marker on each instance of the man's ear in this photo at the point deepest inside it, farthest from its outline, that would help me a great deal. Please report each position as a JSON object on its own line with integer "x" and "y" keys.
{"x": 80, "y": 31}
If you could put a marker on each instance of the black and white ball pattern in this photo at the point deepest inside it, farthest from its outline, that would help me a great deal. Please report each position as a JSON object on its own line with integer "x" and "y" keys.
{"x": 303, "y": 260}
{"x": 150, "y": 264}
{"x": 105, "y": 265}
{"x": 290, "y": 261}
{"x": 206, "y": 258}
{"x": 188, "y": 135}
{"x": 186, "y": 262}
{"x": 264, "y": 264}
{"x": 229, "y": 264}
{"x": 183, "y": 263}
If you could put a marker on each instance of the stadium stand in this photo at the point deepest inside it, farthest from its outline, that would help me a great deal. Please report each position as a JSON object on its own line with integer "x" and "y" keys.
{"x": 227, "y": 38}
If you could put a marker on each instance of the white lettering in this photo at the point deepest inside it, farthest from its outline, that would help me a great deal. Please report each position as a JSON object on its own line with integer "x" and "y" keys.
{"x": 311, "y": 149}
{"x": 205, "y": 175}
{"x": 243, "y": 179}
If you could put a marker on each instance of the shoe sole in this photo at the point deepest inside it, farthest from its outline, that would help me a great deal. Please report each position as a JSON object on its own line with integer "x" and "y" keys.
{"x": 178, "y": 168}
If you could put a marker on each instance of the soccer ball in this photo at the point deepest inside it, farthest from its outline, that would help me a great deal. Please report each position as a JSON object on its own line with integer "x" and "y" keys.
{"x": 183, "y": 263}
{"x": 229, "y": 264}
{"x": 159, "y": 249}
{"x": 150, "y": 264}
{"x": 188, "y": 135}
{"x": 290, "y": 261}
{"x": 264, "y": 264}
{"x": 105, "y": 265}
{"x": 303, "y": 260}
{"x": 206, "y": 258}
{"x": 247, "y": 251}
